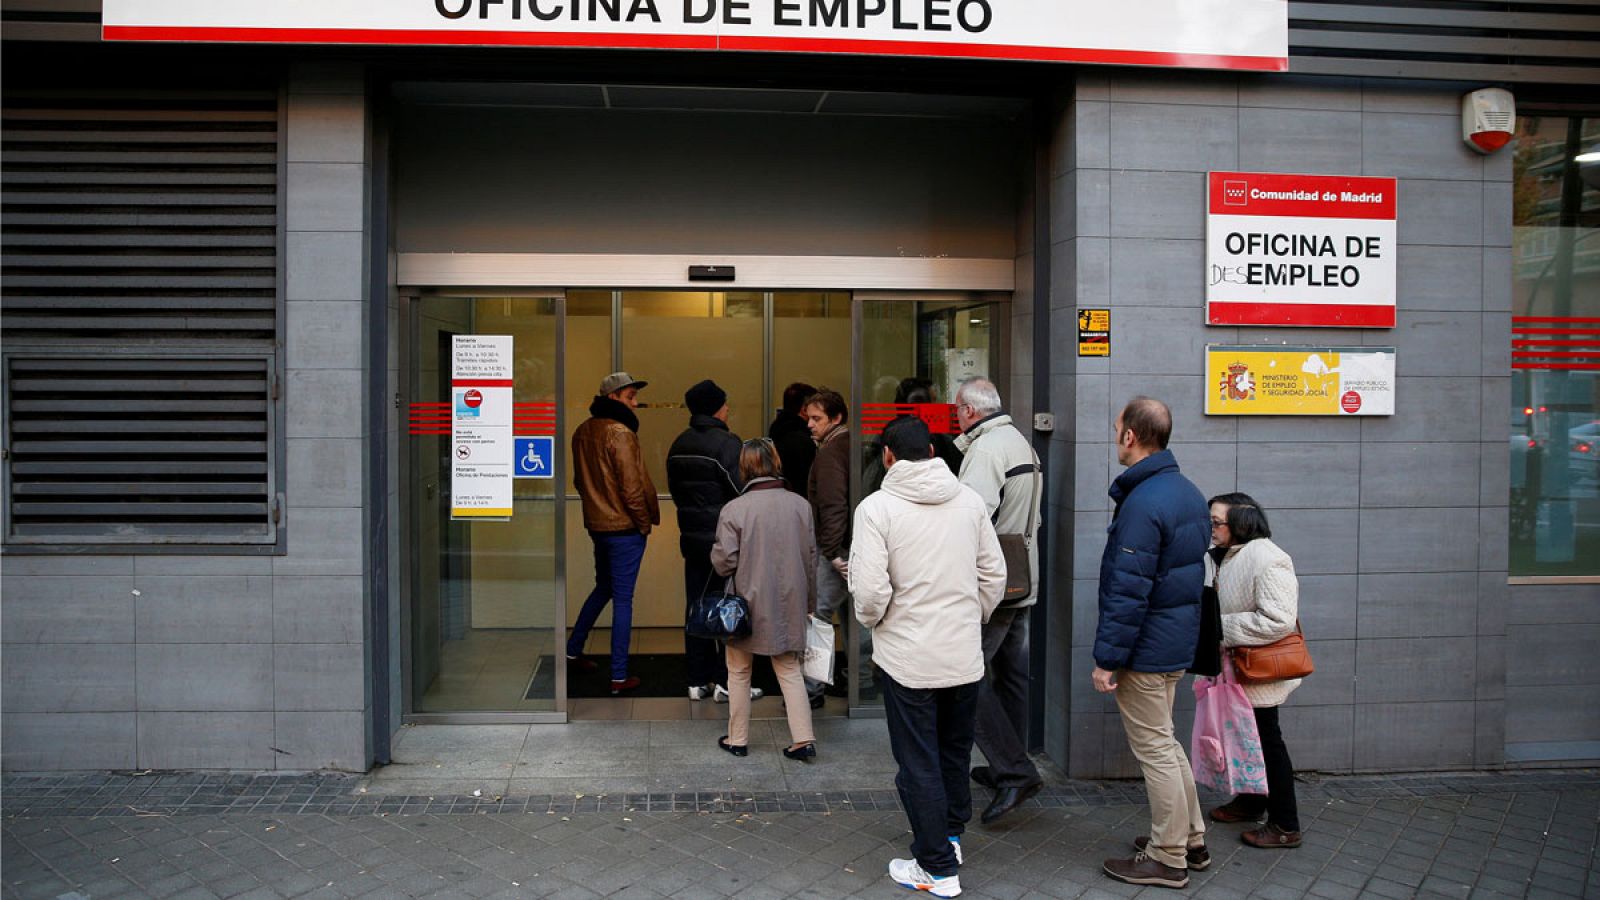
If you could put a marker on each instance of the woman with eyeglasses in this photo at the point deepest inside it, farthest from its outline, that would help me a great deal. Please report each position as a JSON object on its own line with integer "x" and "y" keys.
{"x": 1259, "y": 597}
{"x": 765, "y": 549}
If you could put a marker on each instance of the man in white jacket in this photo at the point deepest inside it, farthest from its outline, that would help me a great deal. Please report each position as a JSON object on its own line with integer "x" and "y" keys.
{"x": 926, "y": 571}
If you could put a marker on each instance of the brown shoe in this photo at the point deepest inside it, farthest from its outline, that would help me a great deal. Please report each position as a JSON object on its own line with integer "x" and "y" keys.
{"x": 1144, "y": 870}
{"x": 1237, "y": 810}
{"x": 1198, "y": 858}
{"x": 1271, "y": 837}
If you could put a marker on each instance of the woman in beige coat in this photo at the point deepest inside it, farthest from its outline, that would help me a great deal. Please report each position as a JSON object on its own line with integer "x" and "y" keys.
{"x": 766, "y": 549}
{"x": 1260, "y": 601}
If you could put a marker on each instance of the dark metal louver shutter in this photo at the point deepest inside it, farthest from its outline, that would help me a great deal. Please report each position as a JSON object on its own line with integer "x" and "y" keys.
{"x": 140, "y": 282}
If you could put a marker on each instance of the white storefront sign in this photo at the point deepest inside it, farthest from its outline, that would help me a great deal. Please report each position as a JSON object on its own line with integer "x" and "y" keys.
{"x": 481, "y": 442}
{"x": 1300, "y": 250}
{"x": 1214, "y": 34}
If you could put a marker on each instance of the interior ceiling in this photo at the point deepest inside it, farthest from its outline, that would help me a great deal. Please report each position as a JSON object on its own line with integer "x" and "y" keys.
{"x": 719, "y": 99}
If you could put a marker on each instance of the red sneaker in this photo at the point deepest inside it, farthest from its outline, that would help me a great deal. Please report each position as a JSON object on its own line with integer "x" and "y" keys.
{"x": 625, "y": 685}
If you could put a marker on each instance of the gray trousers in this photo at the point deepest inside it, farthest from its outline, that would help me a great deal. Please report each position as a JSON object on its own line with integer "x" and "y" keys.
{"x": 1002, "y": 725}
{"x": 833, "y": 596}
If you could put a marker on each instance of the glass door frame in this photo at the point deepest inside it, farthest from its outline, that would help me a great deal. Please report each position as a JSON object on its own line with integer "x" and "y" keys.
{"x": 409, "y": 318}
{"x": 1000, "y": 369}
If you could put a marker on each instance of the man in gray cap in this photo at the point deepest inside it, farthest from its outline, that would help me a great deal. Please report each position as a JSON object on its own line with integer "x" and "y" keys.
{"x": 619, "y": 509}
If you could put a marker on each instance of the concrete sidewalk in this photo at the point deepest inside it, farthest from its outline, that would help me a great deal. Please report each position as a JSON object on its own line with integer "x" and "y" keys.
{"x": 199, "y": 836}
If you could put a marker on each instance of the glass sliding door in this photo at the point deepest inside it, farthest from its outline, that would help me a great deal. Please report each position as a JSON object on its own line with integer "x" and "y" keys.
{"x": 485, "y": 594}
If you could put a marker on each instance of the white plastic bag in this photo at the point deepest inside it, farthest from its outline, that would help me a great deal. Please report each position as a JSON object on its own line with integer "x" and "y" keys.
{"x": 817, "y": 660}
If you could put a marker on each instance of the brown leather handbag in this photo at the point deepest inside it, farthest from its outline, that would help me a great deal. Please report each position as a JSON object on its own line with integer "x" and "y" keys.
{"x": 1280, "y": 660}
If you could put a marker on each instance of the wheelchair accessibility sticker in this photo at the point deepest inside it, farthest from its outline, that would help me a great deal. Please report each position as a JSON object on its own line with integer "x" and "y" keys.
{"x": 535, "y": 457}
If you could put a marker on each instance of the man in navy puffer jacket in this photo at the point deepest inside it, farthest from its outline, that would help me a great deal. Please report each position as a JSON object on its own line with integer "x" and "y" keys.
{"x": 1150, "y": 579}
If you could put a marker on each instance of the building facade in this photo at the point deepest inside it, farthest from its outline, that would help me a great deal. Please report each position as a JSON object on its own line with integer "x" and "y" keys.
{"x": 236, "y": 275}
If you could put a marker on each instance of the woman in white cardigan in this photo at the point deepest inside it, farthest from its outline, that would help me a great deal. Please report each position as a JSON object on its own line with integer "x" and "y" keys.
{"x": 1260, "y": 603}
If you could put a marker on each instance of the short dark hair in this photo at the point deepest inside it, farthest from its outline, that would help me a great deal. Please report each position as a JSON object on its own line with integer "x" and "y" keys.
{"x": 794, "y": 397}
{"x": 1149, "y": 420}
{"x": 1246, "y": 519}
{"x": 908, "y": 438}
{"x": 831, "y": 403}
{"x": 914, "y": 390}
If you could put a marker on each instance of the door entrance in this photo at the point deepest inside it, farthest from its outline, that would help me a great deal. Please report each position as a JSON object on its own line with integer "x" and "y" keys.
{"x": 491, "y": 602}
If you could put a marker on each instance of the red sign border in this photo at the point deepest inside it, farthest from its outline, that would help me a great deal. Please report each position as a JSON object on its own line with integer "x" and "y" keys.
{"x": 1322, "y": 209}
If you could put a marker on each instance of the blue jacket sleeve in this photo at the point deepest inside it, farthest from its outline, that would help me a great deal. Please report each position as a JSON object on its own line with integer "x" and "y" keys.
{"x": 1127, "y": 575}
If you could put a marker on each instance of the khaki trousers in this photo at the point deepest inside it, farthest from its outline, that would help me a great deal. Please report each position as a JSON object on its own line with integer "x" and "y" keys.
{"x": 1176, "y": 824}
{"x": 791, "y": 681}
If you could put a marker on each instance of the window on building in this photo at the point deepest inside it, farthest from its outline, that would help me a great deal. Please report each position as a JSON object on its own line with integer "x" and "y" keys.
{"x": 1555, "y": 368}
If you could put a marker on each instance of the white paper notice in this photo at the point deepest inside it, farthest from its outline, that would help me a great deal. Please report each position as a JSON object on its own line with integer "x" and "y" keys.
{"x": 481, "y": 475}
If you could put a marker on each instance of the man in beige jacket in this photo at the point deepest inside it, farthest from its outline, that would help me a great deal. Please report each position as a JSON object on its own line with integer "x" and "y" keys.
{"x": 926, "y": 571}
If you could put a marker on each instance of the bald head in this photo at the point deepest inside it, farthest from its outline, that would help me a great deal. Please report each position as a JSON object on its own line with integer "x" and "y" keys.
{"x": 1143, "y": 428}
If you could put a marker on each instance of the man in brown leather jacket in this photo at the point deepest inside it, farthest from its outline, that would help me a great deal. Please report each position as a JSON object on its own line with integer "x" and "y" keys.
{"x": 828, "y": 487}
{"x": 619, "y": 509}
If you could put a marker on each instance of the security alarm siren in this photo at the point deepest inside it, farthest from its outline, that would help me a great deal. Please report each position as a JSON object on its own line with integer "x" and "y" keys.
{"x": 1487, "y": 116}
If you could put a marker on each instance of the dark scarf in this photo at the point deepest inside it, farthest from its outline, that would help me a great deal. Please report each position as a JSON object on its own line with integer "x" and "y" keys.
{"x": 604, "y": 407}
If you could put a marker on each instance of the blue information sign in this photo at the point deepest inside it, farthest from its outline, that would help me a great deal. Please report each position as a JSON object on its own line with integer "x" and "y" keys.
{"x": 535, "y": 457}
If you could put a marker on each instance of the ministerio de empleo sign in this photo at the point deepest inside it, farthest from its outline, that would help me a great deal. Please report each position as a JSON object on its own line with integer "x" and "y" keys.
{"x": 1213, "y": 34}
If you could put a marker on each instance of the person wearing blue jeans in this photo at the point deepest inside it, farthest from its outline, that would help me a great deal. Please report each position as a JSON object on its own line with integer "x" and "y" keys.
{"x": 619, "y": 509}
{"x": 616, "y": 570}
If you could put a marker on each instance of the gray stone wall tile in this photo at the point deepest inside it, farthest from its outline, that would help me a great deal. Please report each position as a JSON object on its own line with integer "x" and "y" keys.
{"x": 1089, "y": 540}
{"x": 1311, "y": 141}
{"x": 1314, "y": 337}
{"x": 1433, "y": 343}
{"x": 1418, "y": 605}
{"x": 1440, "y": 212}
{"x": 327, "y": 128}
{"x": 201, "y": 677}
{"x": 1092, "y": 406}
{"x": 1327, "y": 603}
{"x": 1491, "y": 674}
{"x": 1497, "y": 214}
{"x": 1320, "y": 738}
{"x": 1410, "y": 475}
{"x": 1408, "y": 145}
{"x": 1334, "y": 681}
{"x": 1213, "y": 468}
{"x": 1298, "y": 92}
{"x": 1321, "y": 541}
{"x": 1093, "y": 193}
{"x": 229, "y": 609}
{"x": 1160, "y": 341}
{"x": 1494, "y": 547}
{"x": 1411, "y": 670}
{"x": 317, "y": 609}
{"x": 1558, "y": 712}
{"x": 1091, "y": 477}
{"x": 321, "y": 740}
{"x": 1158, "y": 204}
{"x": 1432, "y": 408}
{"x": 1416, "y": 540}
{"x": 318, "y": 677}
{"x": 1494, "y": 601}
{"x": 1118, "y": 759}
{"x": 1085, "y": 610}
{"x": 1490, "y": 725}
{"x": 1091, "y": 276}
{"x": 1496, "y": 343}
{"x": 325, "y": 196}
{"x": 1185, "y": 396}
{"x": 1496, "y": 409}
{"x": 206, "y": 740}
{"x": 1174, "y": 137}
{"x": 65, "y": 566}
{"x": 1091, "y": 134}
{"x": 1306, "y": 429}
{"x": 1495, "y": 462}
{"x": 324, "y": 334}
{"x": 1539, "y": 655}
{"x": 1496, "y": 279}
{"x": 1443, "y": 278}
{"x": 1387, "y": 95}
{"x": 1156, "y": 86}
{"x": 324, "y": 472}
{"x": 1438, "y": 736}
{"x": 1147, "y": 272}
{"x": 46, "y": 742}
{"x": 326, "y": 77}
{"x": 1022, "y": 351}
{"x": 1299, "y": 475}
{"x": 324, "y": 403}
{"x": 201, "y": 565}
{"x": 66, "y": 610}
{"x": 1084, "y": 697}
{"x": 1085, "y": 740}
{"x": 1552, "y": 604}
{"x": 322, "y": 542}
{"x": 68, "y": 678}
{"x": 323, "y": 265}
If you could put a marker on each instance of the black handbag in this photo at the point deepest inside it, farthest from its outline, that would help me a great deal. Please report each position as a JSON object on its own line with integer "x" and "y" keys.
{"x": 718, "y": 615}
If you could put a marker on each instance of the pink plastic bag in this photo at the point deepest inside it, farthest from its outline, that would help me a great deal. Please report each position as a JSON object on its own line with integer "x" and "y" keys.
{"x": 1225, "y": 751}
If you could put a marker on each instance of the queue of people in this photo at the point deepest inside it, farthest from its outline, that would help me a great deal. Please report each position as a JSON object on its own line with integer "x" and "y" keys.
{"x": 942, "y": 599}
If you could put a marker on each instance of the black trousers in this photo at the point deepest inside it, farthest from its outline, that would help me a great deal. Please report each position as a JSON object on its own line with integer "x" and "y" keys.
{"x": 1279, "y": 803}
{"x": 1002, "y": 723}
{"x": 704, "y": 658}
{"x": 930, "y": 732}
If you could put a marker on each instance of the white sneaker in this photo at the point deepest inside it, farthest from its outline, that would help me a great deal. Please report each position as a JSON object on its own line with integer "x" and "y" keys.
{"x": 700, "y": 692}
{"x": 720, "y": 694}
{"x": 955, "y": 843}
{"x": 908, "y": 873}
